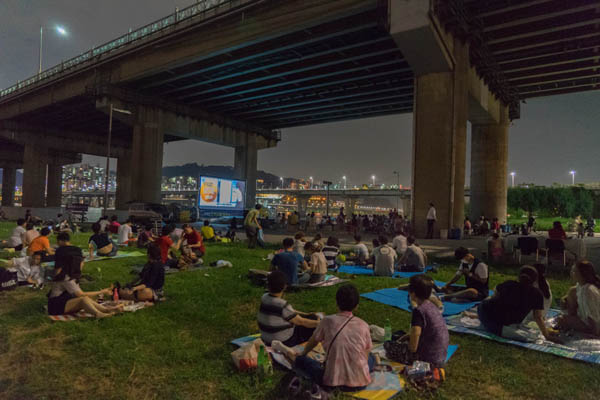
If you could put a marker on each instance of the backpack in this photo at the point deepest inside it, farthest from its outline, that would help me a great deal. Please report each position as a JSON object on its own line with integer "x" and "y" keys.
{"x": 8, "y": 280}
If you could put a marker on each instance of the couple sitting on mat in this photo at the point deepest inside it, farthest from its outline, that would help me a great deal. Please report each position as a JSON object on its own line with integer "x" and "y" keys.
{"x": 295, "y": 268}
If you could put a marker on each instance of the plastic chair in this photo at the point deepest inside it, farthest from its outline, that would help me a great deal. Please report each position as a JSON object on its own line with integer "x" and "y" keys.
{"x": 555, "y": 247}
{"x": 526, "y": 246}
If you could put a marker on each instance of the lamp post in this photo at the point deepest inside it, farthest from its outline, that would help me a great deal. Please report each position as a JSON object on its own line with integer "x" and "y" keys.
{"x": 327, "y": 209}
{"x": 512, "y": 176}
{"x": 373, "y": 178}
{"x": 311, "y": 182}
{"x": 281, "y": 179}
{"x": 572, "y": 177}
{"x": 107, "y": 172}
{"x": 344, "y": 178}
{"x": 60, "y": 30}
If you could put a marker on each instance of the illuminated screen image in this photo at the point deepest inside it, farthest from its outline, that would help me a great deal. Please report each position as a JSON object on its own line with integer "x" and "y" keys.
{"x": 222, "y": 194}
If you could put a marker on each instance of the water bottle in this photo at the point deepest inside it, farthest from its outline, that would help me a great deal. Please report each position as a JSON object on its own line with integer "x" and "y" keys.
{"x": 263, "y": 363}
{"x": 388, "y": 330}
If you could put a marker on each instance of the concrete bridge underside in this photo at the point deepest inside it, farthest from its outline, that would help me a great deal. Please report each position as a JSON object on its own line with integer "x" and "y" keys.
{"x": 237, "y": 75}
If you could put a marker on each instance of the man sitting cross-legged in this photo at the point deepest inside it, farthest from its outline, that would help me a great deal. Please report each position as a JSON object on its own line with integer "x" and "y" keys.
{"x": 278, "y": 321}
{"x": 476, "y": 278}
{"x": 149, "y": 285}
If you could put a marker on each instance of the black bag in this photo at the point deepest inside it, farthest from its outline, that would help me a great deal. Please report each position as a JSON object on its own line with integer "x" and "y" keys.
{"x": 398, "y": 351}
{"x": 8, "y": 280}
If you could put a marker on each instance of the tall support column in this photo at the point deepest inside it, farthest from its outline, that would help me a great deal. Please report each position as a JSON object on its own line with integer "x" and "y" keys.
{"x": 54, "y": 186}
{"x": 147, "y": 156}
{"x": 245, "y": 166}
{"x": 34, "y": 176}
{"x": 489, "y": 162}
{"x": 123, "y": 191}
{"x": 9, "y": 180}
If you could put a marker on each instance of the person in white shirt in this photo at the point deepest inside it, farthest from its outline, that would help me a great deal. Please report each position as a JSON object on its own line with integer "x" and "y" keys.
{"x": 28, "y": 269}
{"x": 104, "y": 223}
{"x": 431, "y": 218}
{"x": 414, "y": 258}
{"x": 16, "y": 237}
{"x": 399, "y": 243}
{"x": 360, "y": 250}
{"x": 476, "y": 278}
{"x": 385, "y": 258}
{"x": 125, "y": 233}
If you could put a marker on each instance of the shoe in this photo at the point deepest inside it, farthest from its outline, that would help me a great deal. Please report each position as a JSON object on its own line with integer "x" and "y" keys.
{"x": 281, "y": 348}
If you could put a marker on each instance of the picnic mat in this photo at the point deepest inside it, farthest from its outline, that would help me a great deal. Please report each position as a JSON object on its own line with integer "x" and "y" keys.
{"x": 330, "y": 280}
{"x": 575, "y": 347}
{"x": 399, "y": 299}
{"x": 358, "y": 270}
{"x": 130, "y": 306}
{"x": 384, "y": 384}
{"x": 119, "y": 255}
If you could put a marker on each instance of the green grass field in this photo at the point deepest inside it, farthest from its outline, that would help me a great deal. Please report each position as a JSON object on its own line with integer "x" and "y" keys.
{"x": 180, "y": 349}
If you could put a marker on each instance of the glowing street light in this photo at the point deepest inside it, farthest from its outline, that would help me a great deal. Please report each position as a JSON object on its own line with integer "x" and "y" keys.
{"x": 281, "y": 179}
{"x": 373, "y": 178}
{"x": 573, "y": 177}
{"x": 344, "y": 178}
{"x": 512, "y": 176}
{"x": 58, "y": 29}
{"x": 311, "y": 182}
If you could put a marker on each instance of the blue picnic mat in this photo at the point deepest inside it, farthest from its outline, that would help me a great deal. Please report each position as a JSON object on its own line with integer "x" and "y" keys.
{"x": 399, "y": 299}
{"x": 358, "y": 270}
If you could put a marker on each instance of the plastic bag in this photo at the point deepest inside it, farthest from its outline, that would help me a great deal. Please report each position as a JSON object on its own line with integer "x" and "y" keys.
{"x": 246, "y": 357}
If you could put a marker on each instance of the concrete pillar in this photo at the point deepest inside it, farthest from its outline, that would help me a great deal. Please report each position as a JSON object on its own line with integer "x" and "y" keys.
{"x": 9, "y": 180}
{"x": 461, "y": 112}
{"x": 34, "y": 176}
{"x": 123, "y": 191}
{"x": 489, "y": 162}
{"x": 406, "y": 207}
{"x": 245, "y": 166}
{"x": 54, "y": 186}
{"x": 302, "y": 202}
{"x": 147, "y": 156}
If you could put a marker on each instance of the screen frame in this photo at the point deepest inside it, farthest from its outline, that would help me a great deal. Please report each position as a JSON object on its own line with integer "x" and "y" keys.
{"x": 221, "y": 210}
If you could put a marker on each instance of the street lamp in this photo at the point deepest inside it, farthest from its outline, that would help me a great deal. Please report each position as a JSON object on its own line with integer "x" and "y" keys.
{"x": 373, "y": 178}
{"x": 573, "y": 177}
{"x": 344, "y": 178}
{"x": 512, "y": 176}
{"x": 106, "y": 173}
{"x": 311, "y": 182}
{"x": 281, "y": 179}
{"x": 58, "y": 29}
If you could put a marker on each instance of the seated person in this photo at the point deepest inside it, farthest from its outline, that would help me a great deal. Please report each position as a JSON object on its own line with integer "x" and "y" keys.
{"x": 65, "y": 251}
{"x": 104, "y": 223}
{"x": 318, "y": 240}
{"x": 385, "y": 258}
{"x": 511, "y": 303}
{"x": 30, "y": 234}
{"x": 167, "y": 248}
{"x": 145, "y": 237}
{"x": 544, "y": 287}
{"x": 399, "y": 243}
{"x": 42, "y": 243}
{"x": 63, "y": 224}
{"x": 467, "y": 227}
{"x": 28, "y": 269}
{"x": 360, "y": 250}
{"x": 432, "y": 297}
{"x": 299, "y": 242}
{"x": 347, "y": 342}
{"x": 414, "y": 258}
{"x": 288, "y": 262}
{"x": 331, "y": 251}
{"x": 16, "y": 237}
{"x": 582, "y": 302}
{"x": 125, "y": 234}
{"x": 208, "y": 232}
{"x": 371, "y": 260}
{"x": 66, "y": 297}
{"x": 317, "y": 264}
{"x": 149, "y": 286}
{"x": 428, "y": 337}
{"x": 100, "y": 244}
{"x": 193, "y": 240}
{"x": 496, "y": 247}
{"x": 557, "y": 231}
{"x": 114, "y": 225}
{"x": 277, "y": 319}
{"x": 476, "y": 278}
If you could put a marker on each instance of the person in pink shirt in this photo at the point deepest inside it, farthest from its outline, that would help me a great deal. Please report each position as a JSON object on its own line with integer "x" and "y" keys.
{"x": 347, "y": 342}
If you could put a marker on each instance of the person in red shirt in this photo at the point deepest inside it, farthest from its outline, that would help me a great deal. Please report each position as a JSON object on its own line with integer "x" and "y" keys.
{"x": 165, "y": 243}
{"x": 194, "y": 240}
{"x": 557, "y": 232}
{"x": 114, "y": 225}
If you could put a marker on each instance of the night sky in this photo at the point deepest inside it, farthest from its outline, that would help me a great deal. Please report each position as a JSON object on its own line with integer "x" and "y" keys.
{"x": 554, "y": 135}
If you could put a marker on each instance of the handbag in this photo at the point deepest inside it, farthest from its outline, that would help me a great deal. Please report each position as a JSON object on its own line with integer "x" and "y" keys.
{"x": 399, "y": 352}
{"x": 8, "y": 279}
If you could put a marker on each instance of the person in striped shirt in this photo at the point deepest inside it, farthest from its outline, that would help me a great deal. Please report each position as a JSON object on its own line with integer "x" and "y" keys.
{"x": 331, "y": 251}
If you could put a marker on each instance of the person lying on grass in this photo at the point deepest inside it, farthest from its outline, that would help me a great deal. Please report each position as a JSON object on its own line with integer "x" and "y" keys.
{"x": 66, "y": 297}
{"x": 347, "y": 342}
{"x": 476, "y": 278}
{"x": 428, "y": 337}
{"x": 28, "y": 269}
{"x": 317, "y": 263}
{"x": 582, "y": 302}
{"x": 149, "y": 286}
{"x": 277, "y": 319}
{"x": 511, "y": 303}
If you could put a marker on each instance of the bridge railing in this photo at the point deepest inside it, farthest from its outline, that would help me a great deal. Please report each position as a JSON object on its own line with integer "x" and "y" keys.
{"x": 204, "y": 9}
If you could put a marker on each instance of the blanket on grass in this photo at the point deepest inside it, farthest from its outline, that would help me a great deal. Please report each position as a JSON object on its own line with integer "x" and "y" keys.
{"x": 399, "y": 299}
{"x": 575, "y": 347}
{"x": 130, "y": 306}
{"x": 119, "y": 255}
{"x": 360, "y": 270}
{"x": 260, "y": 276}
{"x": 384, "y": 384}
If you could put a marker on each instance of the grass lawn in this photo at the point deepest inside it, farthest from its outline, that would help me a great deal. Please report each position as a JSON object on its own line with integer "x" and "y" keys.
{"x": 545, "y": 223}
{"x": 180, "y": 349}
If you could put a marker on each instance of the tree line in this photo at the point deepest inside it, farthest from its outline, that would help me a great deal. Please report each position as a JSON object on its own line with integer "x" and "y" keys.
{"x": 554, "y": 201}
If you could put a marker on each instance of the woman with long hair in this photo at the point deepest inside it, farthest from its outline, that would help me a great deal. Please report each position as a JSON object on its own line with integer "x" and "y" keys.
{"x": 582, "y": 302}
{"x": 544, "y": 287}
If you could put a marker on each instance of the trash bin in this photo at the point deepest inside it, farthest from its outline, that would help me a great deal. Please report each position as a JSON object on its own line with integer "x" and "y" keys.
{"x": 443, "y": 234}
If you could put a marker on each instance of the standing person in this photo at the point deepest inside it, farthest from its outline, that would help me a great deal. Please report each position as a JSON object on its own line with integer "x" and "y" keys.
{"x": 431, "y": 218}
{"x": 414, "y": 258}
{"x": 317, "y": 263}
{"x": 125, "y": 233}
{"x": 101, "y": 244}
{"x": 16, "y": 237}
{"x": 582, "y": 301}
{"x": 193, "y": 240}
{"x": 289, "y": 262}
{"x": 42, "y": 243}
{"x": 331, "y": 251}
{"x": 385, "y": 258}
{"x": 476, "y": 278}
{"x": 252, "y": 225}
